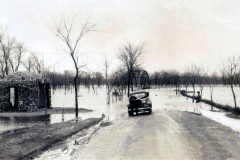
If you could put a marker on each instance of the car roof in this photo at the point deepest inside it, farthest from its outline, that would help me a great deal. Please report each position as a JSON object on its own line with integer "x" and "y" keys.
{"x": 138, "y": 92}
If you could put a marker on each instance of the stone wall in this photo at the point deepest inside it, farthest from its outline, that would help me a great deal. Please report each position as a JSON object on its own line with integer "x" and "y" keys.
{"x": 4, "y": 98}
{"x": 28, "y": 97}
{"x": 28, "y": 88}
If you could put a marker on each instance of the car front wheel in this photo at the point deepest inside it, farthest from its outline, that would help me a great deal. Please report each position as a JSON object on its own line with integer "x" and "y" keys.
{"x": 150, "y": 111}
{"x": 130, "y": 113}
{"x": 136, "y": 111}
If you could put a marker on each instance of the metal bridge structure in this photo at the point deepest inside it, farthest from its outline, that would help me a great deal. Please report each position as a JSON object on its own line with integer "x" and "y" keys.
{"x": 140, "y": 78}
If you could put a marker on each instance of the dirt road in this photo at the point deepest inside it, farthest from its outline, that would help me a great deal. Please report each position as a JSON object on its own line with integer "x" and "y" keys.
{"x": 163, "y": 135}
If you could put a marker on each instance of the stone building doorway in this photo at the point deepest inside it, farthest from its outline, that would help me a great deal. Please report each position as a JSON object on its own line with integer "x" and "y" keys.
{"x": 42, "y": 97}
{"x": 13, "y": 97}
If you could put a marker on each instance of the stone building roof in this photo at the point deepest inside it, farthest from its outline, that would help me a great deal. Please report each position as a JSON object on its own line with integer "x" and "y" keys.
{"x": 26, "y": 76}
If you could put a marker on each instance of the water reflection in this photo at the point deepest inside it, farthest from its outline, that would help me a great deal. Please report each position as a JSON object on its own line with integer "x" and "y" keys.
{"x": 42, "y": 119}
{"x": 87, "y": 100}
{"x": 25, "y": 119}
{"x": 13, "y": 122}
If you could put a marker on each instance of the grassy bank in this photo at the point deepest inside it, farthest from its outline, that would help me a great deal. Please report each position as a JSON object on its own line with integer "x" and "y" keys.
{"x": 54, "y": 110}
{"x": 209, "y": 102}
{"x": 29, "y": 142}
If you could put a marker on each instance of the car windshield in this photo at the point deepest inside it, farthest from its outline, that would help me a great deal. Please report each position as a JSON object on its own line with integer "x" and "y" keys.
{"x": 139, "y": 95}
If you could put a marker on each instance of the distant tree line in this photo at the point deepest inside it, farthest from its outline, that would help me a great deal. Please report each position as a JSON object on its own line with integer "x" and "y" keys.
{"x": 14, "y": 55}
{"x": 66, "y": 79}
{"x": 195, "y": 75}
{"x": 173, "y": 78}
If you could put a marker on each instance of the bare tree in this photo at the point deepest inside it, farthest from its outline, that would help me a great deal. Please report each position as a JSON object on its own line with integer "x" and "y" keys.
{"x": 120, "y": 76}
{"x": 161, "y": 79}
{"x": 65, "y": 30}
{"x": 130, "y": 55}
{"x": 2, "y": 58}
{"x": 211, "y": 80}
{"x": 6, "y": 47}
{"x": 202, "y": 75}
{"x": 186, "y": 80}
{"x": 93, "y": 80}
{"x": 106, "y": 62}
{"x": 27, "y": 63}
{"x": 99, "y": 78}
{"x": 175, "y": 79}
{"x": 230, "y": 67}
{"x": 52, "y": 76}
{"x": 66, "y": 80}
{"x": 166, "y": 79}
{"x": 2, "y": 66}
{"x": 36, "y": 63}
{"x": 193, "y": 72}
{"x": 16, "y": 58}
{"x": 155, "y": 78}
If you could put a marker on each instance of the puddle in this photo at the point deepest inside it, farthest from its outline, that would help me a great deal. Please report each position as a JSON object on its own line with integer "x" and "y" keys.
{"x": 71, "y": 147}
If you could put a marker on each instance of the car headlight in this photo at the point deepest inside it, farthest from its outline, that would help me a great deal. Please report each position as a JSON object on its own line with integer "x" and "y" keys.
{"x": 144, "y": 100}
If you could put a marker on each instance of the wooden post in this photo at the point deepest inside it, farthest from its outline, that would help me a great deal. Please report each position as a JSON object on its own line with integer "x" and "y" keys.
{"x": 45, "y": 101}
{"x": 63, "y": 114}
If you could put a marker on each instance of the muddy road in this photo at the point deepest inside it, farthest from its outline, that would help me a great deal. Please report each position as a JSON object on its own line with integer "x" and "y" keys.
{"x": 163, "y": 135}
{"x": 172, "y": 131}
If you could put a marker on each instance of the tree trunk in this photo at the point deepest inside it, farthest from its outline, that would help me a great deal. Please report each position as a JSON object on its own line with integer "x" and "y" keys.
{"x": 93, "y": 88}
{"x": 45, "y": 102}
{"x": 186, "y": 91}
{"x": 193, "y": 94}
{"x": 211, "y": 92}
{"x": 234, "y": 97}
{"x": 179, "y": 89}
{"x": 106, "y": 79}
{"x": 76, "y": 94}
{"x": 201, "y": 91}
{"x": 129, "y": 79}
{"x": 176, "y": 89}
{"x": 6, "y": 68}
{"x": 131, "y": 82}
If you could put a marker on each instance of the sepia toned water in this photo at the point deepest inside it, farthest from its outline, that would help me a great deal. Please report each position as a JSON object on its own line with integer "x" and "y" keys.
{"x": 222, "y": 95}
{"x": 116, "y": 109}
{"x": 87, "y": 99}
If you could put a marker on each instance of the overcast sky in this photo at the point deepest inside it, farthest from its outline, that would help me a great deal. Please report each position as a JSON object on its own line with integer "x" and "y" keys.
{"x": 176, "y": 32}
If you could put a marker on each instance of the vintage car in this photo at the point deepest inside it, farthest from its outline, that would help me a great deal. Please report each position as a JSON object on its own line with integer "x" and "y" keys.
{"x": 139, "y": 102}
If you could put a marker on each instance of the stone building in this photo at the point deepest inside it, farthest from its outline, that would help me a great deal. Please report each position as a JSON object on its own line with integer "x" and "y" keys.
{"x": 25, "y": 91}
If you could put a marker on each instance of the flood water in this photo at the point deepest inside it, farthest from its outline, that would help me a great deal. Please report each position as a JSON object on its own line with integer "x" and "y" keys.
{"x": 117, "y": 109}
{"x": 222, "y": 95}
{"x": 87, "y": 99}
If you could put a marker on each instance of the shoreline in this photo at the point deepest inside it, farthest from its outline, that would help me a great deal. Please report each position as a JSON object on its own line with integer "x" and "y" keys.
{"x": 40, "y": 112}
{"x": 27, "y": 143}
{"x": 226, "y": 108}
